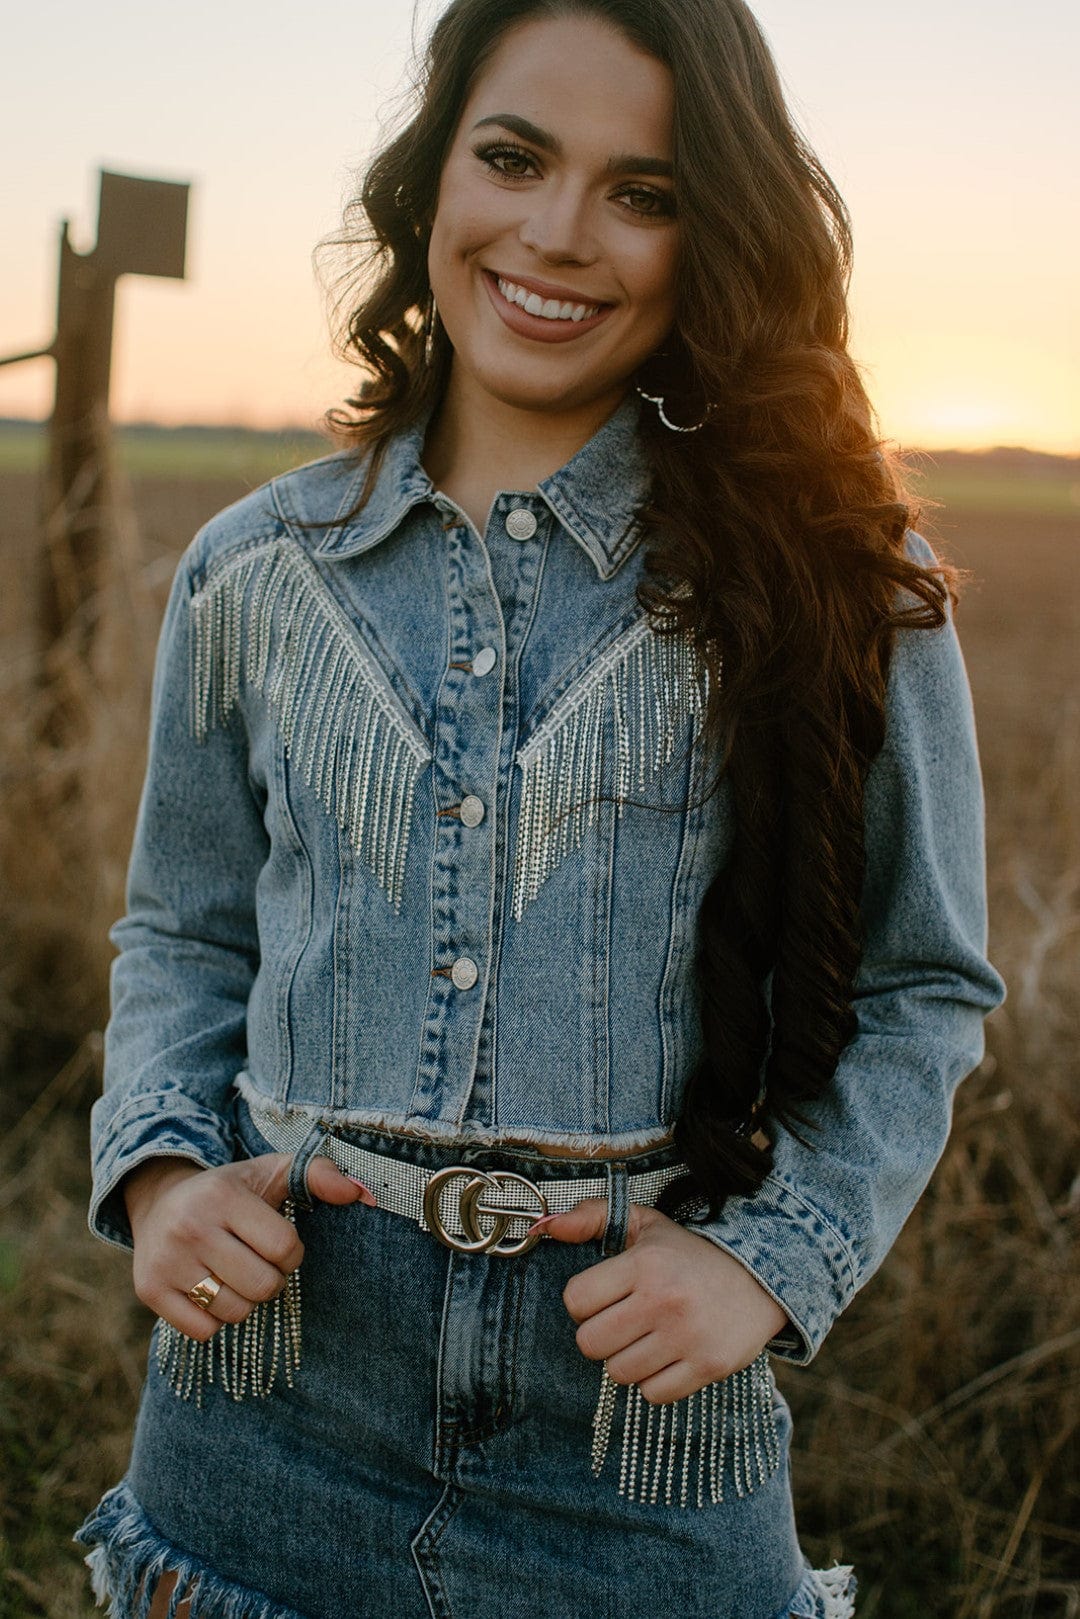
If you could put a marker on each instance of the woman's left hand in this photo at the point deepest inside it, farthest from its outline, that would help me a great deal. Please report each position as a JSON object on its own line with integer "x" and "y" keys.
{"x": 672, "y": 1312}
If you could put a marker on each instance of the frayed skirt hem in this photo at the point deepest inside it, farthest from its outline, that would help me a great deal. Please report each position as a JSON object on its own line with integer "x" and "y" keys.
{"x": 825, "y": 1593}
{"x": 128, "y": 1556}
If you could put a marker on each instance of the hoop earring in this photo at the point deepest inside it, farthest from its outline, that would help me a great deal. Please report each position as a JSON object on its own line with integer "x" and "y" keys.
{"x": 430, "y": 318}
{"x": 658, "y": 401}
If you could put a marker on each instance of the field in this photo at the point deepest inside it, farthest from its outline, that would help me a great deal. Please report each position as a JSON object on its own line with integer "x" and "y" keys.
{"x": 936, "y": 1433}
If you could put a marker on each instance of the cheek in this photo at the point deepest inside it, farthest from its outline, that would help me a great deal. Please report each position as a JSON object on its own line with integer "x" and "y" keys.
{"x": 653, "y": 278}
{"x": 465, "y": 221}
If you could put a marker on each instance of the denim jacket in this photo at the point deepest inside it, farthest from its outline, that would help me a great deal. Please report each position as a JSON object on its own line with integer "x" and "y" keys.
{"x": 402, "y": 861}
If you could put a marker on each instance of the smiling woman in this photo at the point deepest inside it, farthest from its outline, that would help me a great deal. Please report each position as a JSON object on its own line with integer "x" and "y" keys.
{"x": 519, "y": 202}
{"x": 562, "y": 839}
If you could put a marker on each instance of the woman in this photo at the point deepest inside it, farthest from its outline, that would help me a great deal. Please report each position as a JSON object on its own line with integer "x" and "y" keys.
{"x": 562, "y": 799}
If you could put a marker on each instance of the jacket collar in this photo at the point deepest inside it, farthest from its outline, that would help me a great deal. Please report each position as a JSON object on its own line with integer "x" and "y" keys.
{"x": 594, "y": 497}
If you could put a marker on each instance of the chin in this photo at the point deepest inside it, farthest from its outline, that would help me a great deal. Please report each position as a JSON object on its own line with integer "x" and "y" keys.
{"x": 511, "y": 386}
{"x": 545, "y": 400}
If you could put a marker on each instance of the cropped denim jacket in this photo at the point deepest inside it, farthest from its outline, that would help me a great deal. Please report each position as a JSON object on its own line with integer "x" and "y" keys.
{"x": 402, "y": 861}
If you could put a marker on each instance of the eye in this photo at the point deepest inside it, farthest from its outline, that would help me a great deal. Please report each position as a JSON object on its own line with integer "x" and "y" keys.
{"x": 649, "y": 202}
{"x": 509, "y": 161}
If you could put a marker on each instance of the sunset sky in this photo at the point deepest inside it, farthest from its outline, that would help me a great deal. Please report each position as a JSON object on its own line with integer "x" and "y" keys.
{"x": 952, "y": 129}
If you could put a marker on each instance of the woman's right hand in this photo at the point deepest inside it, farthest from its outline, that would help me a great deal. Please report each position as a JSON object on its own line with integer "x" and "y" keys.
{"x": 188, "y": 1223}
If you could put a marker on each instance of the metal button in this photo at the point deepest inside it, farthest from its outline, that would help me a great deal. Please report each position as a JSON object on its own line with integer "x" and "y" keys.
{"x": 520, "y": 523}
{"x": 472, "y": 810}
{"x": 484, "y": 662}
{"x": 464, "y": 972}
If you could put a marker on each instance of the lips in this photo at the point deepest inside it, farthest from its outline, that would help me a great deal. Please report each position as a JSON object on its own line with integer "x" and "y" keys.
{"x": 547, "y": 289}
{"x": 542, "y": 311}
{"x": 546, "y": 308}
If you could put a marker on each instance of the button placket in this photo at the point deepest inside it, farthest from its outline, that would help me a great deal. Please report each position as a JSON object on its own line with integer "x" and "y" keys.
{"x": 466, "y": 749}
{"x": 517, "y": 570}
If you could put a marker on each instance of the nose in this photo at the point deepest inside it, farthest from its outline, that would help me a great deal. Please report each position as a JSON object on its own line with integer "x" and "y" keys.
{"x": 558, "y": 227}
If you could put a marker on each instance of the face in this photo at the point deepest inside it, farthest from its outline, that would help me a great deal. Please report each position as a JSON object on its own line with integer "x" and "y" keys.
{"x": 554, "y": 246}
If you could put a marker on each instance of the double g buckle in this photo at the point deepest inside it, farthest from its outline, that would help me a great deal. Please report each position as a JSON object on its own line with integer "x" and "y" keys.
{"x": 470, "y": 1208}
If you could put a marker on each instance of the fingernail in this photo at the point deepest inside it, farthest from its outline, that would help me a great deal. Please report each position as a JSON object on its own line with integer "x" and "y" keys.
{"x": 538, "y": 1225}
{"x": 366, "y": 1194}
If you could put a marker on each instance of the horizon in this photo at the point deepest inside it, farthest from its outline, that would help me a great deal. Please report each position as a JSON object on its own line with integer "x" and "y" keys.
{"x": 287, "y": 429}
{"x": 965, "y": 320}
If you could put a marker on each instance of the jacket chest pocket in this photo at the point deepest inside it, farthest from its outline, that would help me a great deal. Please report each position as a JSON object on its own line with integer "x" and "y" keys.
{"x": 618, "y": 733}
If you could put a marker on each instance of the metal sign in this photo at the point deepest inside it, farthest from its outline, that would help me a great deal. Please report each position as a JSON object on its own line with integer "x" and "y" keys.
{"x": 142, "y": 226}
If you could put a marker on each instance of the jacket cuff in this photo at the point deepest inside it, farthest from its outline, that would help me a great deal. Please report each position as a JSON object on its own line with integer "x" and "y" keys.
{"x": 795, "y": 1254}
{"x": 155, "y": 1126}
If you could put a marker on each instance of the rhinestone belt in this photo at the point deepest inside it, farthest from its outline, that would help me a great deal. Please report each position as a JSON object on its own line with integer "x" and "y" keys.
{"x": 471, "y": 1210}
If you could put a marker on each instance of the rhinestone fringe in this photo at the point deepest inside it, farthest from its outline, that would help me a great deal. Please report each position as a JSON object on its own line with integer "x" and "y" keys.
{"x": 341, "y": 728}
{"x": 685, "y": 1451}
{"x": 651, "y": 684}
{"x": 243, "y": 1357}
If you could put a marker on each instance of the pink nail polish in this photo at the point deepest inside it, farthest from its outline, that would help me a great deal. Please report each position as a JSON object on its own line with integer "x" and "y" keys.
{"x": 367, "y": 1196}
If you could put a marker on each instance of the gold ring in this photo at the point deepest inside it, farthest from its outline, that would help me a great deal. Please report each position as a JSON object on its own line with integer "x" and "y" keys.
{"x": 205, "y": 1292}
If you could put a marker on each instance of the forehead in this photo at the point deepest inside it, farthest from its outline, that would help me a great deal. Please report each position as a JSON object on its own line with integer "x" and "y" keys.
{"x": 583, "y": 80}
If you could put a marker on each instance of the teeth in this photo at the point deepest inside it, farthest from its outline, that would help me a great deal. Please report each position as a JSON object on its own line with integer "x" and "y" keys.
{"x": 547, "y": 309}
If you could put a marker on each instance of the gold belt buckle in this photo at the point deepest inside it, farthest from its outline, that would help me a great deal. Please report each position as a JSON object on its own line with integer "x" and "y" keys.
{"x": 475, "y": 1183}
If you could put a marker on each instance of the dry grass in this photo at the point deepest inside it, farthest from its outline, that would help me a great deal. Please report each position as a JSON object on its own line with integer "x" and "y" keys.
{"x": 935, "y": 1433}
{"x": 946, "y": 1404}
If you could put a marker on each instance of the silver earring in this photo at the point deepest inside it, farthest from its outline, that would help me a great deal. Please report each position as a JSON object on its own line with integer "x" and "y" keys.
{"x": 658, "y": 401}
{"x": 429, "y": 332}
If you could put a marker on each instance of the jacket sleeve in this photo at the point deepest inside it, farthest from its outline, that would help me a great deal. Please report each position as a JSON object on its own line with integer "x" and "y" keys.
{"x": 188, "y": 943}
{"x": 827, "y": 1215}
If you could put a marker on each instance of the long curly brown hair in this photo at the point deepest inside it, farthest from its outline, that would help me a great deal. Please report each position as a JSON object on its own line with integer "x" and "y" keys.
{"x": 785, "y": 514}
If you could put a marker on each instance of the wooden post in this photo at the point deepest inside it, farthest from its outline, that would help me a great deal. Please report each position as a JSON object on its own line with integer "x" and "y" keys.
{"x": 142, "y": 228}
{"x": 77, "y": 482}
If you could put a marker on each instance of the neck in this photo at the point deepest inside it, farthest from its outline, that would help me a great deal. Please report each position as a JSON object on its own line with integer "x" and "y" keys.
{"x": 476, "y": 445}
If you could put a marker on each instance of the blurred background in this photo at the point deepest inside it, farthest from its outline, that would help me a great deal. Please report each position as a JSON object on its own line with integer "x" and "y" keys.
{"x": 936, "y": 1433}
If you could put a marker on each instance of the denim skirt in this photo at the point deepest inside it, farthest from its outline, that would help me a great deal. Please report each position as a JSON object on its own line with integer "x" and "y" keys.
{"x": 429, "y": 1451}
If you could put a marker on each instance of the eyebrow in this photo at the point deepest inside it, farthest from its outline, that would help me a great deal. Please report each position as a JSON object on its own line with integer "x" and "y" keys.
{"x": 622, "y": 163}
